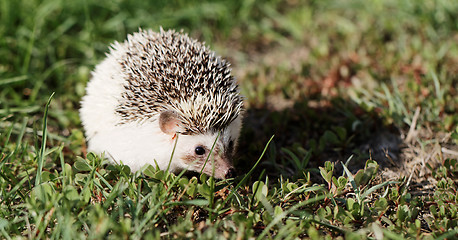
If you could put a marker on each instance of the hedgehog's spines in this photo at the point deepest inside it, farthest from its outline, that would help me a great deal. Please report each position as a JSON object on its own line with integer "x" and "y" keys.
{"x": 170, "y": 71}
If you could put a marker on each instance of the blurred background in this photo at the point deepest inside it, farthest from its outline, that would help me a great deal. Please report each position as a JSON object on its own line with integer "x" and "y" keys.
{"x": 329, "y": 79}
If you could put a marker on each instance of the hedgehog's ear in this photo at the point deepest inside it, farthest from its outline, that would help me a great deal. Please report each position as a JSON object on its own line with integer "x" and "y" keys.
{"x": 169, "y": 122}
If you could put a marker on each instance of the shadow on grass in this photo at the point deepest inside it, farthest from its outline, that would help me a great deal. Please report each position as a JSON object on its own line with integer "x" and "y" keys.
{"x": 306, "y": 137}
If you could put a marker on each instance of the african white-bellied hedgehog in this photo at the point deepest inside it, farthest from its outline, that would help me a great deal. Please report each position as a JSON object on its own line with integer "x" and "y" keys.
{"x": 158, "y": 88}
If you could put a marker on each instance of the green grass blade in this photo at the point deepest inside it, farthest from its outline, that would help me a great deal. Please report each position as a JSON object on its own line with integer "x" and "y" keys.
{"x": 13, "y": 80}
{"x": 249, "y": 173}
{"x": 370, "y": 190}
{"x": 209, "y": 154}
{"x": 173, "y": 152}
{"x": 41, "y": 154}
{"x": 352, "y": 180}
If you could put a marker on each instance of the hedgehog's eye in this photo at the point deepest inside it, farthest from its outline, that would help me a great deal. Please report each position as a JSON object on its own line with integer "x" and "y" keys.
{"x": 199, "y": 150}
{"x": 230, "y": 147}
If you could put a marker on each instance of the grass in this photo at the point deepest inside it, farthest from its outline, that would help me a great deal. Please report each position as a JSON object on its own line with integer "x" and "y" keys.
{"x": 360, "y": 97}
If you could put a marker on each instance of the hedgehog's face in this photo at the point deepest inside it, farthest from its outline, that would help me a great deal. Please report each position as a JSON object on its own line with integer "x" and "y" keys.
{"x": 198, "y": 152}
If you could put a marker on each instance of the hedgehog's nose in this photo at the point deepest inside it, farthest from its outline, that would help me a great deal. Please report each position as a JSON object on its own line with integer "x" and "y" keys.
{"x": 230, "y": 173}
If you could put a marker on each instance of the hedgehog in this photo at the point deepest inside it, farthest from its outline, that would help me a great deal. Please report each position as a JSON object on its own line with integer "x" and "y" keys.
{"x": 164, "y": 99}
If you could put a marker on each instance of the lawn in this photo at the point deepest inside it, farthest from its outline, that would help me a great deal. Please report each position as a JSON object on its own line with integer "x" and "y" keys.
{"x": 350, "y": 129}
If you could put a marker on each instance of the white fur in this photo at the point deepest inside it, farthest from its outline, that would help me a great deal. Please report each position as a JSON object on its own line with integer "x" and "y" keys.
{"x": 136, "y": 144}
{"x": 102, "y": 96}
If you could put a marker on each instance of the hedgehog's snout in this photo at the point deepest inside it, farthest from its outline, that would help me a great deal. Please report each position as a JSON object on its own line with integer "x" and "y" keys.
{"x": 230, "y": 173}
